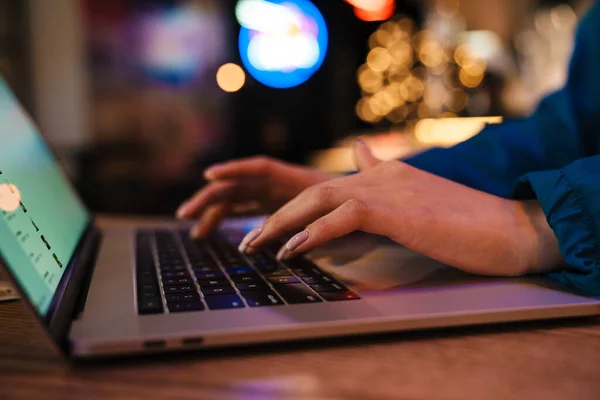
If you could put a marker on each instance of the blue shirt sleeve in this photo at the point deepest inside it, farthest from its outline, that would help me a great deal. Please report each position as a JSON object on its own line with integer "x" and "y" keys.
{"x": 570, "y": 198}
{"x": 551, "y": 156}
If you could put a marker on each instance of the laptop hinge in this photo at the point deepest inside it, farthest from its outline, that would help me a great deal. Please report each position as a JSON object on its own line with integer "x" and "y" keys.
{"x": 72, "y": 292}
{"x": 90, "y": 264}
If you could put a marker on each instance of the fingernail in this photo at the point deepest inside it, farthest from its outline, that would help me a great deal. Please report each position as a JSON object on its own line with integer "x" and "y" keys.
{"x": 297, "y": 240}
{"x": 243, "y": 247}
{"x": 250, "y": 250}
{"x": 281, "y": 253}
{"x": 209, "y": 173}
{"x": 182, "y": 210}
{"x": 195, "y": 231}
{"x": 253, "y": 234}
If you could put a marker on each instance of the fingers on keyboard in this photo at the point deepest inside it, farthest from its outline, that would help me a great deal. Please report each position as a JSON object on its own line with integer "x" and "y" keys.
{"x": 194, "y": 276}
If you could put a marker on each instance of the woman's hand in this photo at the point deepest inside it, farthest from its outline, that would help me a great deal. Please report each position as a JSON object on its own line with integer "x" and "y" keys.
{"x": 454, "y": 224}
{"x": 258, "y": 184}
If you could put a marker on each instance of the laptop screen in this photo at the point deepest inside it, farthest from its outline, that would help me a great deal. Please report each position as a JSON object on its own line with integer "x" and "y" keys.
{"x": 41, "y": 217}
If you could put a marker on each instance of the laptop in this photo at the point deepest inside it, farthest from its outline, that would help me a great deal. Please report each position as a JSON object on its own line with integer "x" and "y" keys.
{"x": 129, "y": 290}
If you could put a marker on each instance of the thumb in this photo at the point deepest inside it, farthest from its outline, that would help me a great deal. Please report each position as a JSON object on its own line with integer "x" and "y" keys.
{"x": 363, "y": 158}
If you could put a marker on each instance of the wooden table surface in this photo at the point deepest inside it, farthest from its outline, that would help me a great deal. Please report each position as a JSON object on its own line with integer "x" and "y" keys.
{"x": 534, "y": 360}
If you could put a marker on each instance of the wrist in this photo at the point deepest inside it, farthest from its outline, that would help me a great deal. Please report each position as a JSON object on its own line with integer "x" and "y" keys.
{"x": 540, "y": 248}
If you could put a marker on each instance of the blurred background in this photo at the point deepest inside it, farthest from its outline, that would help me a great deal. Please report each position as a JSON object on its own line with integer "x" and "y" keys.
{"x": 137, "y": 97}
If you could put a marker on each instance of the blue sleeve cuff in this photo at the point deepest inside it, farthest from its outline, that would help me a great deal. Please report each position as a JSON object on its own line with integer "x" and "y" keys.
{"x": 570, "y": 198}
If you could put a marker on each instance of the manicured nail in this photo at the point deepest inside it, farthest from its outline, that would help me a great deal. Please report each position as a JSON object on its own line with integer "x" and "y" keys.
{"x": 195, "y": 231}
{"x": 253, "y": 234}
{"x": 297, "y": 240}
{"x": 182, "y": 210}
{"x": 250, "y": 250}
{"x": 209, "y": 173}
{"x": 281, "y": 253}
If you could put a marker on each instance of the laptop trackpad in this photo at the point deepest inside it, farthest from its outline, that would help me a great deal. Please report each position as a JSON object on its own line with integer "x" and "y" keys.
{"x": 374, "y": 263}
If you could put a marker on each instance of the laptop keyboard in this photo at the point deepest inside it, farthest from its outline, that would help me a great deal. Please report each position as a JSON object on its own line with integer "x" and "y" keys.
{"x": 175, "y": 274}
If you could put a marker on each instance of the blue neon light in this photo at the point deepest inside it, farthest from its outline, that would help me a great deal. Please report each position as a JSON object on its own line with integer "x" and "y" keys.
{"x": 287, "y": 78}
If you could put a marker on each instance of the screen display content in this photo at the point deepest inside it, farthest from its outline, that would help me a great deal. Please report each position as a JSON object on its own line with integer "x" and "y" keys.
{"x": 41, "y": 217}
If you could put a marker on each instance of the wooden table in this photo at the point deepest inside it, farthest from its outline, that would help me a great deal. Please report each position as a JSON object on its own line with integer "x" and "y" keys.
{"x": 536, "y": 360}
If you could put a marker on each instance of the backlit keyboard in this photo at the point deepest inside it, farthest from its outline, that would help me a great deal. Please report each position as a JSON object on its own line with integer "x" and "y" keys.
{"x": 176, "y": 274}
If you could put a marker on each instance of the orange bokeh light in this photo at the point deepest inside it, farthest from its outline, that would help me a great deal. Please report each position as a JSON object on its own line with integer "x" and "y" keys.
{"x": 373, "y": 10}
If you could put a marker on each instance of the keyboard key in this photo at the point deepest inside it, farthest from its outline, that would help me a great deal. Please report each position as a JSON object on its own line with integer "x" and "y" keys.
{"x": 205, "y": 268}
{"x": 208, "y": 275}
{"x": 183, "y": 306}
{"x": 278, "y": 280}
{"x": 302, "y": 272}
{"x": 170, "y": 263}
{"x": 170, "y": 258}
{"x": 148, "y": 280}
{"x": 173, "y": 268}
{"x": 200, "y": 261}
{"x": 197, "y": 253}
{"x": 181, "y": 297}
{"x": 148, "y": 289}
{"x": 338, "y": 296}
{"x": 266, "y": 262}
{"x": 245, "y": 270}
{"x": 179, "y": 288}
{"x": 213, "y": 282}
{"x": 151, "y": 306}
{"x": 152, "y": 286}
{"x": 236, "y": 264}
{"x": 264, "y": 267}
{"x": 150, "y": 296}
{"x": 178, "y": 274}
{"x": 257, "y": 298}
{"x": 177, "y": 281}
{"x": 212, "y": 290}
{"x": 297, "y": 293}
{"x": 258, "y": 258}
{"x": 328, "y": 287}
{"x": 311, "y": 280}
{"x": 276, "y": 272}
{"x": 250, "y": 286}
{"x": 223, "y": 301}
{"x": 147, "y": 274}
{"x": 254, "y": 278}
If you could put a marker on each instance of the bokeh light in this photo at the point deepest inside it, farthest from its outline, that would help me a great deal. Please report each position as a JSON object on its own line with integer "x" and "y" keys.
{"x": 449, "y": 131}
{"x": 172, "y": 48}
{"x": 398, "y": 114}
{"x": 412, "y": 88}
{"x": 472, "y": 75}
{"x": 456, "y": 100}
{"x": 379, "y": 59}
{"x": 411, "y": 75}
{"x": 231, "y": 77}
{"x": 447, "y": 8}
{"x": 364, "y": 111}
{"x": 369, "y": 80}
{"x": 431, "y": 53}
{"x": 373, "y": 10}
{"x": 282, "y": 43}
